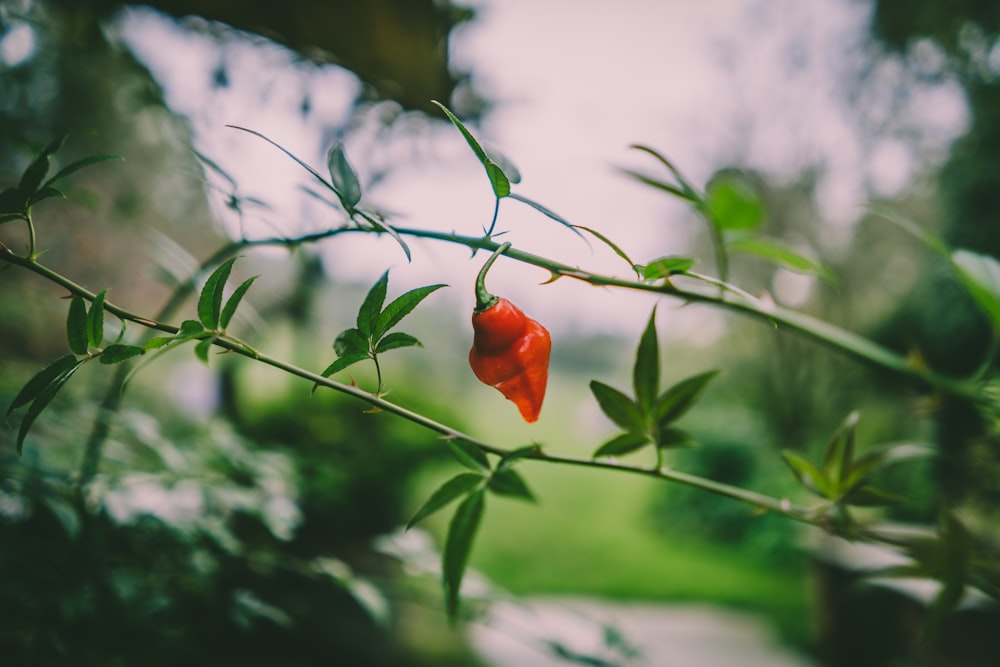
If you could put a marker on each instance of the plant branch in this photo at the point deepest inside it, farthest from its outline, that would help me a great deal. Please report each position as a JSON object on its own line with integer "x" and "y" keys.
{"x": 776, "y": 505}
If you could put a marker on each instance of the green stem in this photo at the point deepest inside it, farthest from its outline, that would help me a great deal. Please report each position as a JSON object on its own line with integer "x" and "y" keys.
{"x": 31, "y": 236}
{"x": 779, "y": 506}
{"x": 485, "y": 300}
{"x": 821, "y": 331}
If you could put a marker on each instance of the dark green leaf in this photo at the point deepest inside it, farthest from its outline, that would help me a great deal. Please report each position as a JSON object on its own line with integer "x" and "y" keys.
{"x": 508, "y": 482}
{"x": 673, "y": 437}
{"x": 117, "y": 353}
{"x": 880, "y": 458}
{"x": 234, "y": 301}
{"x": 95, "y": 321}
{"x": 7, "y": 217}
{"x": 45, "y": 192}
{"x": 783, "y": 256}
{"x": 351, "y": 342}
{"x": 210, "y": 300}
{"x": 41, "y": 380}
{"x": 733, "y": 202}
{"x": 666, "y": 267}
{"x": 619, "y": 408}
{"x": 203, "y": 347}
{"x": 371, "y": 307}
{"x": 456, "y": 486}
{"x": 646, "y": 372}
{"x": 498, "y": 180}
{"x": 867, "y": 496}
{"x": 620, "y": 445}
{"x": 469, "y": 455}
{"x": 458, "y": 545}
{"x": 35, "y": 172}
{"x": 76, "y": 325}
{"x": 808, "y": 474}
{"x": 395, "y": 340}
{"x": 78, "y": 165}
{"x": 12, "y": 200}
{"x": 344, "y": 178}
{"x": 42, "y": 401}
{"x": 678, "y": 399}
{"x": 400, "y": 307}
{"x": 343, "y": 362}
{"x": 526, "y": 451}
{"x": 547, "y": 213}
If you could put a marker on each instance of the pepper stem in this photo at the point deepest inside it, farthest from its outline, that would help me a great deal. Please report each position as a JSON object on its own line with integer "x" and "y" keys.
{"x": 485, "y": 300}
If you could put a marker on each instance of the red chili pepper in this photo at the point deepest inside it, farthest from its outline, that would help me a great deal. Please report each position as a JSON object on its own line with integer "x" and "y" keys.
{"x": 510, "y": 351}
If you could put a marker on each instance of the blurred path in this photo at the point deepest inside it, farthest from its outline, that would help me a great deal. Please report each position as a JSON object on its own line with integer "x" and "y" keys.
{"x": 533, "y": 633}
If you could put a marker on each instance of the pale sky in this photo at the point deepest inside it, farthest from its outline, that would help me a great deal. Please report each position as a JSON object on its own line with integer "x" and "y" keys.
{"x": 761, "y": 84}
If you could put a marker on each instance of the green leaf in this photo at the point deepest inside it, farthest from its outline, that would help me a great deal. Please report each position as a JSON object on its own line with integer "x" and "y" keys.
{"x": 733, "y": 202}
{"x": 210, "y": 300}
{"x": 686, "y": 190}
{"x": 190, "y": 329}
{"x": 39, "y": 167}
{"x": 673, "y": 437}
{"x": 234, "y": 301}
{"x": 867, "y": 496}
{"x": 371, "y": 307}
{"x": 343, "y": 362}
{"x": 41, "y": 380}
{"x": 498, "y": 180}
{"x": 880, "y": 458}
{"x": 783, "y": 256}
{"x": 315, "y": 174}
{"x": 456, "y": 486}
{"x": 669, "y": 188}
{"x": 508, "y": 482}
{"x": 351, "y": 342}
{"x": 78, "y": 165}
{"x": 665, "y": 267}
{"x": 620, "y": 445}
{"x": 158, "y": 342}
{"x": 980, "y": 275}
{"x": 395, "y": 340}
{"x": 839, "y": 454}
{"x": 525, "y": 451}
{"x": 678, "y": 399}
{"x": 42, "y": 401}
{"x": 548, "y": 213}
{"x": 608, "y": 242}
{"x": 76, "y": 325}
{"x": 344, "y": 178}
{"x": 619, "y": 408}
{"x": 95, "y": 321}
{"x": 458, "y": 545}
{"x": 13, "y": 201}
{"x": 45, "y": 192}
{"x": 203, "y": 347}
{"x": 117, "y": 353}
{"x": 378, "y": 223}
{"x": 646, "y": 372}
{"x": 808, "y": 474}
{"x": 506, "y": 165}
{"x": 400, "y": 307}
{"x": 469, "y": 455}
